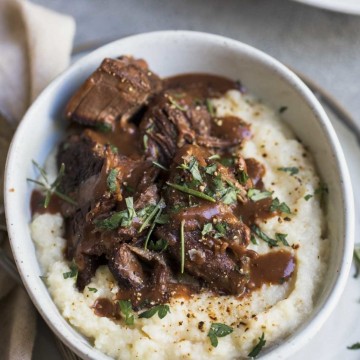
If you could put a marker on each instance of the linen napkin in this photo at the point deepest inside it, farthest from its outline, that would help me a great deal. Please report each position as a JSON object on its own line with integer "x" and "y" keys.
{"x": 35, "y": 46}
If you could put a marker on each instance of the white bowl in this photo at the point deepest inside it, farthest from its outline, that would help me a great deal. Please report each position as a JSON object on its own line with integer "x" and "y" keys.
{"x": 169, "y": 53}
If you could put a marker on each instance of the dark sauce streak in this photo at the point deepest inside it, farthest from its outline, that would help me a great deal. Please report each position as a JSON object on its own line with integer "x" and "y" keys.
{"x": 37, "y": 204}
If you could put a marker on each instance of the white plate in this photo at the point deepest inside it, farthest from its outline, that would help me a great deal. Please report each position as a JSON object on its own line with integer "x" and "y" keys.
{"x": 344, "y": 6}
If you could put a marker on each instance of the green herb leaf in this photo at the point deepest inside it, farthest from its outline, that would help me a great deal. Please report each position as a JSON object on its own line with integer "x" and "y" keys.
{"x": 194, "y": 169}
{"x": 282, "y": 109}
{"x": 103, "y": 127}
{"x": 145, "y": 141}
{"x": 308, "y": 197}
{"x": 214, "y": 157}
{"x": 187, "y": 190}
{"x": 126, "y": 310}
{"x": 207, "y": 228}
{"x": 258, "y": 347}
{"x": 226, "y": 161}
{"x": 162, "y": 167}
{"x": 152, "y": 227}
{"x": 282, "y": 238}
{"x": 111, "y": 180}
{"x": 210, "y": 107}
{"x": 72, "y": 273}
{"x": 161, "y": 310}
{"x": 182, "y": 240}
{"x": 253, "y": 239}
{"x": 355, "y": 346}
{"x": 243, "y": 177}
{"x": 210, "y": 169}
{"x": 221, "y": 228}
{"x": 261, "y": 235}
{"x": 176, "y": 104}
{"x": 122, "y": 218}
{"x": 277, "y": 206}
{"x": 147, "y": 221}
{"x": 114, "y": 149}
{"x": 292, "y": 170}
{"x": 257, "y": 195}
{"x": 94, "y": 290}
{"x": 162, "y": 219}
{"x": 159, "y": 246}
{"x": 218, "y": 330}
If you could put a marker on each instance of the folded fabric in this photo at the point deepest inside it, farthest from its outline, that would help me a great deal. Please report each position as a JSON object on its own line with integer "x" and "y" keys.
{"x": 35, "y": 46}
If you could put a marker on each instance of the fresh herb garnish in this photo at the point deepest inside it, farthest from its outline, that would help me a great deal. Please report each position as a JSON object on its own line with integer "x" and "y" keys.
{"x": 176, "y": 104}
{"x": 322, "y": 190}
{"x": 253, "y": 239}
{"x": 261, "y": 235}
{"x": 281, "y": 238}
{"x": 182, "y": 244}
{"x": 207, "y": 228}
{"x": 187, "y": 190}
{"x": 277, "y": 206}
{"x": 122, "y": 218}
{"x": 227, "y": 161}
{"x": 94, "y": 290}
{"x": 257, "y": 195}
{"x": 193, "y": 167}
{"x": 52, "y": 188}
{"x": 243, "y": 177}
{"x": 72, "y": 273}
{"x": 147, "y": 221}
{"x": 159, "y": 246}
{"x": 282, "y": 109}
{"x": 258, "y": 347}
{"x": 111, "y": 180}
{"x": 214, "y": 157}
{"x": 114, "y": 149}
{"x": 152, "y": 227}
{"x": 145, "y": 141}
{"x": 308, "y": 197}
{"x": 355, "y": 346}
{"x": 103, "y": 127}
{"x": 292, "y": 170}
{"x": 210, "y": 169}
{"x": 126, "y": 310}
{"x": 161, "y": 310}
{"x": 228, "y": 195}
{"x": 218, "y": 330}
{"x": 162, "y": 167}
{"x": 210, "y": 107}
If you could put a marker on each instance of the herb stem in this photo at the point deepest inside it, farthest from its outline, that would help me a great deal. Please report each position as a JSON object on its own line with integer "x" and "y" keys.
{"x": 182, "y": 239}
{"x": 191, "y": 192}
{"x": 162, "y": 167}
{"x": 152, "y": 229}
{"x": 146, "y": 222}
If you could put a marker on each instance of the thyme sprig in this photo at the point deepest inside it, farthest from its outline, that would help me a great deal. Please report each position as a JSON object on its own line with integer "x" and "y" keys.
{"x": 51, "y": 188}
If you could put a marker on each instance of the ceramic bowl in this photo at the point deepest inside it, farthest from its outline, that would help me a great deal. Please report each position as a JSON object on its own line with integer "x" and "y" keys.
{"x": 169, "y": 53}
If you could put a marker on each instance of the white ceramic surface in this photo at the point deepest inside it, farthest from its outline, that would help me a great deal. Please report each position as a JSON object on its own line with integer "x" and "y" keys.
{"x": 344, "y": 6}
{"x": 169, "y": 53}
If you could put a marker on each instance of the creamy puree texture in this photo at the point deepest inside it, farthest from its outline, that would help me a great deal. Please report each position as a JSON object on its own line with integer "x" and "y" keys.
{"x": 275, "y": 310}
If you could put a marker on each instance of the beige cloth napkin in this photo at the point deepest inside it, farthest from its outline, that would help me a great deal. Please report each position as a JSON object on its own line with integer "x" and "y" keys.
{"x": 35, "y": 46}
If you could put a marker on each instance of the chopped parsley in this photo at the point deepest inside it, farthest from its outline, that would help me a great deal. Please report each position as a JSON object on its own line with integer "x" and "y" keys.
{"x": 72, "y": 273}
{"x": 182, "y": 249}
{"x": 207, "y": 228}
{"x": 114, "y": 149}
{"x": 159, "y": 246}
{"x": 193, "y": 167}
{"x": 277, "y": 206}
{"x": 258, "y": 347}
{"x": 257, "y": 195}
{"x": 94, "y": 290}
{"x": 217, "y": 231}
{"x": 161, "y": 310}
{"x": 357, "y": 260}
{"x": 282, "y": 109}
{"x": 176, "y": 104}
{"x": 218, "y": 330}
{"x": 355, "y": 346}
{"x": 111, "y": 180}
{"x": 126, "y": 310}
{"x": 243, "y": 177}
{"x": 308, "y": 197}
{"x": 292, "y": 170}
{"x": 210, "y": 169}
{"x": 122, "y": 218}
{"x": 227, "y": 161}
{"x": 226, "y": 194}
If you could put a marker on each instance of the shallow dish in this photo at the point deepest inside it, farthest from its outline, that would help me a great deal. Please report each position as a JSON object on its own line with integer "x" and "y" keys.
{"x": 169, "y": 53}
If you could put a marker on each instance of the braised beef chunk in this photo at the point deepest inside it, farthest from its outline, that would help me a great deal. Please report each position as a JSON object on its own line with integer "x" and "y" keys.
{"x": 162, "y": 199}
{"x": 115, "y": 91}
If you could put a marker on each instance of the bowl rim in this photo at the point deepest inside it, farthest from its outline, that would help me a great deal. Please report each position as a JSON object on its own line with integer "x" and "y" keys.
{"x": 305, "y": 332}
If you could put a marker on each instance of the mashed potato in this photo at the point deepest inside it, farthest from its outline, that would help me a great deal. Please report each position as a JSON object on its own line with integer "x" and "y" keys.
{"x": 275, "y": 310}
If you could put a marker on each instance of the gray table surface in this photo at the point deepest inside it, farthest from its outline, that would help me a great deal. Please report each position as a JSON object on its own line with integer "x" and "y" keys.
{"x": 323, "y": 45}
